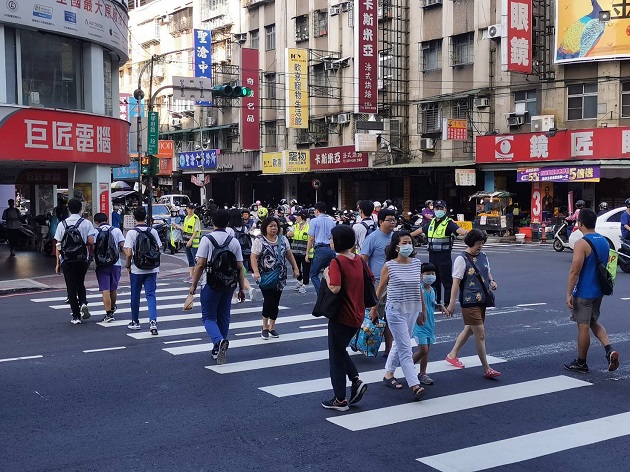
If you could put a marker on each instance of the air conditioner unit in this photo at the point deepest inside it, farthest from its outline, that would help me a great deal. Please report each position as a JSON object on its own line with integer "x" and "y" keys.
{"x": 343, "y": 118}
{"x": 543, "y": 123}
{"x": 515, "y": 120}
{"x": 482, "y": 102}
{"x": 331, "y": 65}
{"x": 345, "y": 6}
{"x": 494, "y": 31}
{"x": 331, "y": 119}
{"x": 334, "y": 11}
{"x": 176, "y": 122}
{"x": 429, "y": 3}
{"x": 427, "y": 144}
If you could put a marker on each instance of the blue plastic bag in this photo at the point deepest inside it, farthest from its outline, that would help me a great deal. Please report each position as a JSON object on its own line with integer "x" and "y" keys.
{"x": 369, "y": 336}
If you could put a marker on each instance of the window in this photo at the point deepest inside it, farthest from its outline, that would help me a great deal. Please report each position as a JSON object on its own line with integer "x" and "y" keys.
{"x": 384, "y": 69}
{"x": 431, "y": 55}
{"x": 270, "y": 80}
{"x": 301, "y": 28}
{"x": 615, "y": 217}
{"x": 430, "y": 118}
{"x": 460, "y": 109}
{"x": 271, "y": 136}
{"x": 320, "y": 26}
{"x": 528, "y": 97}
{"x": 462, "y": 49}
{"x": 625, "y": 99}
{"x": 254, "y": 39}
{"x": 582, "y": 102}
{"x": 270, "y": 37}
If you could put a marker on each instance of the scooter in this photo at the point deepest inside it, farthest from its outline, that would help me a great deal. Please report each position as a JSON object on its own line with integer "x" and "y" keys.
{"x": 624, "y": 256}
{"x": 560, "y": 238}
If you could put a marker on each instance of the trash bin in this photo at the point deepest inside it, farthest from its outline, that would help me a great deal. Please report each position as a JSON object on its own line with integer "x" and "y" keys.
{"x": 527, "y": 231}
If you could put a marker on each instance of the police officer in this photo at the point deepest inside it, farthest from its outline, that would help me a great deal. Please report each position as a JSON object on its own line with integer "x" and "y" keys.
{"x": 191, "y": 234}
{"x": 439, "y": 231}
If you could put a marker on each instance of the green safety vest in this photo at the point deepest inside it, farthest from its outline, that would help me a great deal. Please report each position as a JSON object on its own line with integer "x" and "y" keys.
{"x": 438, "y": 240}
{"x": 302, "y": 235}
{"x": 190, "y": 222}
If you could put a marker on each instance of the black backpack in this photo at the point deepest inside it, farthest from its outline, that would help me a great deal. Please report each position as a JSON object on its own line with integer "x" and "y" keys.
{"x": 73, "y": 247}
{"x": 222, "y": 268}
{"x": 244, "y": 240}
{"x": 605, "y": 278}
{"x": 146, "y": 251}
{"x": 106, "y": 252}
{"x": 369, "y": 229}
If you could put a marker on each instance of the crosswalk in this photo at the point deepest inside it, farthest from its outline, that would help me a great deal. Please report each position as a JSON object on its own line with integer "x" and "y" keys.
{"x": 294, "y": 367}
{"x": 506, "y": 248}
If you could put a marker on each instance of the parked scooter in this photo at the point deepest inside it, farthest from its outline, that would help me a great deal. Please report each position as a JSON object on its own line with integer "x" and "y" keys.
{"x": 560, "y": 238}
{"x": 624, "y": 256}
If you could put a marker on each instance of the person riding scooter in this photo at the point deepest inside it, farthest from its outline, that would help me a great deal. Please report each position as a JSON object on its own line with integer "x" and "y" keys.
{"x": 574, "y": 217}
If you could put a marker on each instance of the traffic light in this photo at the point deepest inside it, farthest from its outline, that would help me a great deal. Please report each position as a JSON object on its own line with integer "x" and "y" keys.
{"x": 228, "y": 91}
{"x": 145, "y": 165}
{"x": 155, "y": 165}
{"x": 150, "y": 165}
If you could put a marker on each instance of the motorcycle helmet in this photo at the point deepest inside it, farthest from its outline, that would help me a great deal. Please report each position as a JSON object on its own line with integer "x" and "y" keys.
{"x": 174, "y": 211}
{"x": 294, "y": 202}
{"x": 388, "y": 203}
{"x": 210, "y": 200}
{"x": 262, "y": 212}
{"x": 580, "y": 204}
{"x": 603, "y": 206}
{"x": 283, "y": 201}
{"x": 280, "y": 209}
{"x": 377, "y": 204}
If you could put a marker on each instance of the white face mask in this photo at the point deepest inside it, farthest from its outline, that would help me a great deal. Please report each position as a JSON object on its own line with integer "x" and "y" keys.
{"x": 429, "y": 279}
{"x": 440, "y": 213}
{"x": 405, "y": 250}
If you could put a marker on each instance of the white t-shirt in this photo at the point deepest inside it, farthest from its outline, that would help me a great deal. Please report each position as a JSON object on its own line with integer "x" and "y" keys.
{"x": 459, "y": 267}
{"x": 116, "y": 233}
{"x": 130, "y": 240}
{"x": 86, "y": 228}
{"x": 360, "y": 231}
{"x": 229, "y": 231}
{"x": 205, "y": 246}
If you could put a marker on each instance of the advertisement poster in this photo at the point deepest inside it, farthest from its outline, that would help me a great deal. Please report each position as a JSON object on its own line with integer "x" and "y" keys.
{"x": 272, "y": 163}
{"x": 250, "y": 106}
{"x": 517, "y": 24}
{"x": 103, "y": 198}
{"x": 537, "y": 205}
{"x": 296, "y": 162}
{"x": 558, "y": 174}
{"x": 366, "y": 56}
{"x": 297, "y": 88}
{"x": 456, "y": 130}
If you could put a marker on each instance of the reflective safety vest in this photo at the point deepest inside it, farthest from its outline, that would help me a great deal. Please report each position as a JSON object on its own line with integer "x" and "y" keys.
{"x": 190, "y": 223}
{"x": 438, "y": 240}
{"x": 301, "y": 235}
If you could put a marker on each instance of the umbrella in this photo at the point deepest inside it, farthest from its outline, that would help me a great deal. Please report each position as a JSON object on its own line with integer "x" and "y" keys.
{"x": 120, "y": 185}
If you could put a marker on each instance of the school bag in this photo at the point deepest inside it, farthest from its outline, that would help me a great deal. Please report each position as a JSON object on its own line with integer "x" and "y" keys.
{"x": 146, "y": 251}
{"x": 369, "y": 229}
{"x": 73, "y": 247}
{"x": 106, "y": 252}
{"x": 244, "y": 240}
{"x": 221, "y": 268}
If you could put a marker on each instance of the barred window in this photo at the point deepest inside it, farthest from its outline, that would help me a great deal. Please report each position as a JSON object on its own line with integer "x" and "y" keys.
{"x": 301, "y": 28}
{"x": 270, "y": 82}
{"x": 271, "y": 134}
{"x": 430, "y": 117}
{"x": 462, "y": 49}
{"x": 528, "y": 97}
{"x": 320, "y": 27}
{"x": 431, "y": 55}
{"x": 460, "y": 109}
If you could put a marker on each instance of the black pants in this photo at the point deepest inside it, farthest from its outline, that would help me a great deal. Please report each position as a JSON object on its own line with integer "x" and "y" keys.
{"x": 444, "y": 275}
{"x": 304, "y": 266}
{"x": 247, "y": 262}
{"x": 13, "y": 236}
{"x": 74, "y": 275}
{"x": 341, "y": 365}
{"x": 271, "y": 303}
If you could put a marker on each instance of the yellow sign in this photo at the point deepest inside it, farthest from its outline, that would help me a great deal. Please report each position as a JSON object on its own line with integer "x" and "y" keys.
{"x": 272, "y": 163}
{"x": 467, "y": 225}
{"x": 582, "y": 36}
{"x": 297, "y": 88}
{"x": 297, "y": 162}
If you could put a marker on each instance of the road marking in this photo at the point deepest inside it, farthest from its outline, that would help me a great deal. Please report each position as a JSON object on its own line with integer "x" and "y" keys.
{"x": 105, "y": 349}
{"x": 625, "y": 298}
{"x": 530, "y": 446}
{"x": 532, "y": 304}
{"x": 374, "y": 376}
{"x": 159, "y": 284}
{"x": 24, "y": 358}
{"x": 250, "y": 333}
{"x": 98, "y": 295}
{"x": 128, "y": 300}
{"x": 183, "y": 341}
{"x": 319, "y": 325}
{"x": 452, "y": 403}
{"x": 268, "y": 362}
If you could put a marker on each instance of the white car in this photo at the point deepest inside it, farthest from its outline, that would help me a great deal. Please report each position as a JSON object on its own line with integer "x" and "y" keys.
{"x": 608, "y": 225}
{"x": 174, "y": 200}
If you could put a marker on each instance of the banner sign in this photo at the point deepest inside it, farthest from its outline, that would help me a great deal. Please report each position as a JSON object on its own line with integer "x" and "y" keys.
{"x": 537, "y": 205}
{"x": 566, "y": 145}
{"x": 272, "y": 163}
{"x": 297, "y": 88}
{"x": 250, "y": 108}
{"x": 126, "y": 173}
{"x": 198, "y": 159}
{"x": 203, "y": 56}
{"x": 166, "y": 166}
{"x": 296, "y": 162}
{"x": 516, "y": 23}
{"x": 103, "y": 198}
{"x": 123, "y": 106}
{"x": 166, "y": 148}
{"x": 366, "y": 56}
{"x": 558, "y": 174}
{"x": 58, "y": 177}
{"x": 456, "y": 130}
{"x": 340, "y": 157}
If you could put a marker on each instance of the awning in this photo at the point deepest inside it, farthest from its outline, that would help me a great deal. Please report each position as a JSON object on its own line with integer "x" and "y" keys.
{"x": 196, "y": 130}
{"x": 122, "y": 193}
{"x": 490, "y": 195}
{"x": 453, "y": 96}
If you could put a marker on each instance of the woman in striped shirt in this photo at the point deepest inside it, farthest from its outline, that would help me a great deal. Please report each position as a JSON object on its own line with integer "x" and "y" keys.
{"x": 402, "y": 278}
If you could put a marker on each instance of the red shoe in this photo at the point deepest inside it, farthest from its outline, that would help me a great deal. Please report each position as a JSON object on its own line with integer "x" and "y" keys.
{"x": 491, "y": 373}
{"x": 455, "y": 362}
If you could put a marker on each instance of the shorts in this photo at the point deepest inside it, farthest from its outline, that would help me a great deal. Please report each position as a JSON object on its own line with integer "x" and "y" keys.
{"x": 474, "y": 315}
{"x": 586, "y": 310}
{"x": 108, "y": 277}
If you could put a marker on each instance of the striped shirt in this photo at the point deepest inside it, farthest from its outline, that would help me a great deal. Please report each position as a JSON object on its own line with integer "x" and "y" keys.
{"x": 404, "y": 285}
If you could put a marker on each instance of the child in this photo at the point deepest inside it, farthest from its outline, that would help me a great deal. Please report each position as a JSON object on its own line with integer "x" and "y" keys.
{"x": 424, "y": 329}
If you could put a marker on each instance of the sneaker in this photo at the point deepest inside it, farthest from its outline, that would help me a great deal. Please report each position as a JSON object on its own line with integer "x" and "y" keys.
{"x": 152, "y": 327}
{"x": 214, "y": 353}
{"x": 222, "y": 352}
{"x": 356, "y": 392}
{"x": 114, "y": 308}
{"x": 85, "y": 312}
{"x": 235, "y": 301}
{"x": 425, "y": 379}
{"x": 67, "y": 302}
{"x": 134, "y": 325}
{"x": 297, "y": 287}
{"x": 302, "y": 289}
{"x": 251, "y": 294}
{"x": 613, "y": 361}
{"x": 108, "y": 318}
{"x": 76, "y": 321}
{"x": 264, "y": 334}
{"x": 573, "y": 366}
{"x": 273, "y": 333}
{"x": 335, "y": 404}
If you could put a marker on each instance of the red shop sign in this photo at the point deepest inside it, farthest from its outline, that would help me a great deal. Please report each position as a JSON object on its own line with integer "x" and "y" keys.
{"x": 250, "y": 110}
{"x": 366, "y": 55}
{"x": 340, "y": 157}
{"x": 518, "y": 53}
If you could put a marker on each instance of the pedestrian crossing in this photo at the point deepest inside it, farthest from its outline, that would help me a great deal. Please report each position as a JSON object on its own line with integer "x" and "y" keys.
{"x": 294, "y": 368}
{"x": 505, "y": 248}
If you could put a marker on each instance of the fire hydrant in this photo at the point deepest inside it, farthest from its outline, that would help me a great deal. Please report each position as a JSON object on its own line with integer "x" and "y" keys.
{"x": 543, "y": 237}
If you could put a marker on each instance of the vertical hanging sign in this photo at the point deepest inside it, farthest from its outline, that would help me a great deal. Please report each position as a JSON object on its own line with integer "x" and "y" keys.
{"x": 250, "y": 108}
{"x": 297, "y": 88}
{"x": 516, "y": 25}
{"x": 366, "y": 50}
{"x": 203, "y": 56}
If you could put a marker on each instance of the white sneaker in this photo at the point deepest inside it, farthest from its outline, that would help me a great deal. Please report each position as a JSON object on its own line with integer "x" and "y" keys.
{"x": 298, "y": 286}
{"x": 251, "y": 294}
{"x": 234, "y": 301}
{"x": 85, "y": 312}
{"x": 302, "y": 289}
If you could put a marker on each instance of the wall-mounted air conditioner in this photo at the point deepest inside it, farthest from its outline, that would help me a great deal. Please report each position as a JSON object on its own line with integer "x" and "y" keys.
{"x": 427, "y": 144}
{"x": 494, "y": 31}
{"x": 328, "y": 65}
{"x": 345, "y": 6}
{"x": 334, "y": 11}
{"x": 430, "y": 3}
{"x": 543, "y": 123}
{"x": 482, "y": 102}
{"x": 515, "y": 120}
{"x": 343, "y": 118}
{"x": 176, "y": 122}
{"x": 331, "y": 119}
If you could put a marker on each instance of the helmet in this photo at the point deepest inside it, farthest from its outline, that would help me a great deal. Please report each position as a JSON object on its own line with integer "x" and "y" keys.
{"x": 388, "y": 203}
{"x": 580, "y": 204}
{"x": 603, "y": 206}
{"x": 283, "y": 201}
{"x": 175, "y": 210}
{"x": 280, "y": 209}
{"x": 628, "y": 202}
{"x": 428, "y": 202}
{"x": 294, "y": 202}
{"x": 210, "y": 200}
{"x": 262, "y": 212}
{"x": 377, "y": 204}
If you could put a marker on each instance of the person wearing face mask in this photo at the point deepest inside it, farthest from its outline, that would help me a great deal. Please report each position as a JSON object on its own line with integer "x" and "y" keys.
{"x": 427, "y": 212}
{"x": 439, "y": 231}
{"x": 401, "y": 276}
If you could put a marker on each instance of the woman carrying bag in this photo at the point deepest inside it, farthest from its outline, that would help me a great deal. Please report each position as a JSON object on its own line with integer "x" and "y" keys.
{"x": 345, "y": 277}
{"x": 269, "y": 254}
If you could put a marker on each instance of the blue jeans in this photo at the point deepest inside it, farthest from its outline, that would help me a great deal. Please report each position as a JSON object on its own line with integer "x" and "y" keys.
{"x": 215, "y": 312}
{"x": 321, "y": 259}
{"x": 191, "y": 253}
{"x": 149, "y": 282}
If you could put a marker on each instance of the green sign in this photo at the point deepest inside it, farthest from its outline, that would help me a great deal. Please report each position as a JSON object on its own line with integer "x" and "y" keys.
{"x": 153, "y": 133}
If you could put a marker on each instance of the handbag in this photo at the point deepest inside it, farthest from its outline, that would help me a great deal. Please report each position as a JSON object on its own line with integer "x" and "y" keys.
{"x": 369, "y": 336}
{"x": 604, "y": 277}
{"x": 369, "y": 291}
{"x": 490, "y": 299}
{"x": 271, "y": 279}
{"x": 328, "y": 304}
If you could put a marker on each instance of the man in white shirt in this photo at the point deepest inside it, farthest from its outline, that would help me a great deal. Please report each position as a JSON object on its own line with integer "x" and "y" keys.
{"x": 366, "y": 225}
{"x": 141, "y": 277}
{"x": 73, "y": 259}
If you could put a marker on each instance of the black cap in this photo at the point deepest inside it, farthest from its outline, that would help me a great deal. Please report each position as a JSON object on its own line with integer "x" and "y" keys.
{"x": 191, "y": 205}
{"x": 439, "y": 203}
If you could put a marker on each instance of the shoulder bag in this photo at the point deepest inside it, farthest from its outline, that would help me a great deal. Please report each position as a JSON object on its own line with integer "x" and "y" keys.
{"x": 606, "y": 282}
{"x": 490, "y": 300}
{"x": 328, "y": 303}
{"x": 369, "y": 291}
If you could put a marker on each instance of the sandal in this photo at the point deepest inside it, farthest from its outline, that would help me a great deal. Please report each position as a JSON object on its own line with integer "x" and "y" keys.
{"x": 455, "y": 362}
{"x": 491, "y": 373}
{"x": 417, "y": 393}
{"x": 392, "y": 383}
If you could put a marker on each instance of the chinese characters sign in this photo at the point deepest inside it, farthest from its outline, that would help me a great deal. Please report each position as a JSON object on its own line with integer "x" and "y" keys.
{"x": 465, "y": 177}
{"x": 456, "y": 130}
{"x": 296, "y": 162}
{"x": 166, "y": 153}
{"x": 126, "y": 173}
{"x": 272, "y": 163}
{"x": 297, "y": 88}
{"x": 340, "y": 157}
{"x": 197, "y": 160}
{"x": 558, "y": 174}
{"x": 153, "y": 133}
{"x": 366, "y": 56}
{"x": 203, "y": 56}
{"x": 517, "y": 47}
{"x": 250, "y": 109}
{"x": 566, "y": 145}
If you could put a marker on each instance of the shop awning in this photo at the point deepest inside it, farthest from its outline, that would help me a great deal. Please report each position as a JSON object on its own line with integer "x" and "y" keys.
{"x": 453, "y": 96}
{"x": 490, "y": 195}
{"x": 196, "y": 130}
{"x": 122, "y": 194}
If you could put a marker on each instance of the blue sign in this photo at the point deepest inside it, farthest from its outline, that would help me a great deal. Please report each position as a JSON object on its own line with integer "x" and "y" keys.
{"x": 70, "y": 16}
{"x": 197, "y": 160}
{"x": 203, "y": 56}
{"x": 135, "y": 109}
{"x": 126, "y": 173}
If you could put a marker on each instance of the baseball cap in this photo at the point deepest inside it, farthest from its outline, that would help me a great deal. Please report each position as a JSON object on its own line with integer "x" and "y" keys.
{"x": 439, "y": 203}
{"x": 191, "y": 205}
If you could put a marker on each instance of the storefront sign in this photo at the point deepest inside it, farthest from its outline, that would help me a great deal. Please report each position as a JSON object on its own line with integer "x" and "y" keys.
{"x": 566, "y": 145}
{"x": 337, "y": 158}
{"x": 272, "y": 163}
{"x": 166, "y": 149}
{"x": 166, "y": 166}
{"x": 250, "y": 108}
{"x": 200, "y": 180}
{"x": 197, "y": 160}
{"x": 516, "y": 21}
{"x": 126, "y": 173}
{"x": 123, "y": 106}
{"x": 203, "y": 56}
{"x": 99, "y": 21}
{"x": 366, "y": 56}
{"x": 58, "y": 177}
{"x": 296, "y": 162}
{"x": 30, "y": 134}
{"x": 465, "y": 177}
{"x": 456, "y": 130}
{"x": 365, "y": 142}
{"x": 558, "y": 174}
{"x": 537, "y": 199}
{"x": 297, "y": 88}
{"x": 103, "y": 198}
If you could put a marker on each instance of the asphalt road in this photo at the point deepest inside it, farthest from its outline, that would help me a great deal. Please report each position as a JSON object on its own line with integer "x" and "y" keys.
{"x": 99, "y": 397}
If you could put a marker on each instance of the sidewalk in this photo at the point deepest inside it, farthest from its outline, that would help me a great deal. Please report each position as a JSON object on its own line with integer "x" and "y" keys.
{"x": 34, "y": 271}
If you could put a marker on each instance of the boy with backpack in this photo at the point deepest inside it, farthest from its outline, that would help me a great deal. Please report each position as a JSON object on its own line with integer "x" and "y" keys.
{"x": 142, "y": 248}
{"x": 109, "y": 241}
{"x": 73, "y": 245}
{"x": 220, "y": 256}
{"x": 366, "y": 226}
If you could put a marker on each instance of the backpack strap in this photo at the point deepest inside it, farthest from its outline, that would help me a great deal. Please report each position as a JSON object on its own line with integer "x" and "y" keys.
{"x": 593, "y": 251}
